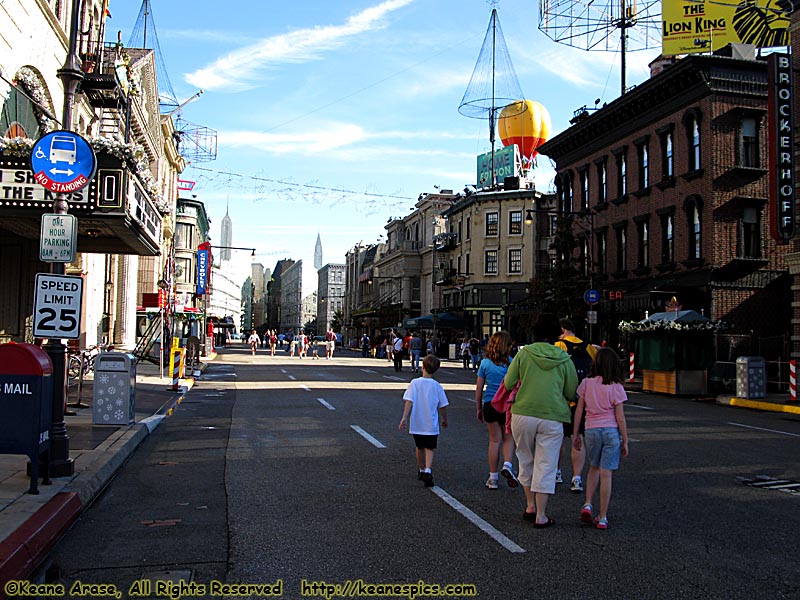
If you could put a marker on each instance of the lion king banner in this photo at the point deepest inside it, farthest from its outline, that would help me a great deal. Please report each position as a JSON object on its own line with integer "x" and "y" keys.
{"x": 703, "y": 26}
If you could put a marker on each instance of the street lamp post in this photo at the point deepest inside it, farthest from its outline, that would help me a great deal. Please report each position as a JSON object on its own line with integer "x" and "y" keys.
{"x": 61, "y": 465}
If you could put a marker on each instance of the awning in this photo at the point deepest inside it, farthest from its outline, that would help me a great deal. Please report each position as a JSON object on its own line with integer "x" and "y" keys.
{"x": 443, "y": 320}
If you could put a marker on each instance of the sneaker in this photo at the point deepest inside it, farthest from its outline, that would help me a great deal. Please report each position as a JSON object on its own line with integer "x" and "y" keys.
{"x": 427, "y": 479}
{"x": 491, "y": 483}
{"x": 601, "y": 523}
{"x": 559, "y": 479}
{"x": 577, "y": 484}
{"x": 511, "y": 479}
{"x": 586, "y": 513}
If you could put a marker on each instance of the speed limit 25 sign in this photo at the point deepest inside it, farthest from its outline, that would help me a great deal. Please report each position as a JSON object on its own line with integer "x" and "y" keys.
{"x": 57, "y": 306}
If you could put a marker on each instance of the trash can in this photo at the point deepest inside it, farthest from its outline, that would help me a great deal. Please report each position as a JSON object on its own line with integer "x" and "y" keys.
{"x": 751, "y": 377}
{"x": 114, "y": 389}
{"x": 451, "y": 352}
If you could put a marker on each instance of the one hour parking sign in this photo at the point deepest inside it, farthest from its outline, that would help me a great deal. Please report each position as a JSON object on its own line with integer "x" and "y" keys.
{"x": 57, "y": 306}
{"x": 57, "y": 239}
{"x": 63, "y": 162}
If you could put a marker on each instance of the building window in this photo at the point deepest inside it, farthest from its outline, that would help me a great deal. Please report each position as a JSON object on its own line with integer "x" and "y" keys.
{"x": 643, "y": 254}
{"x": 694, "y": 144}
{"x": 585, "y": 257}
{"x": 568, "y": 193}
{"x": 622, "y": 175}
{"x": 183, "y": 270}
{"x": 492, "y": 223}
{"x": 459, "y": 232}
{"x": 184, "y": 240}
{"x": 490, "y": 262}
{"x": 602, "y": 252}
{"x": 667, "y": 238}
{"x": 458, "y": 265}
{"x": 695, "y": 246}
{"x": 750, "y": 233}
{"x": 667, "y": 164}
{"x": 749, "y": 143}
{"x": 515, "y": 261}
{"x": 466, "y": 265}
{"x": 469, "y": 225}
{"x": 602, "y": 182}
{"x": 584, "y": 189}
{"x": 515, "y": 222}
{"x": 644, "y": 175}
{"x": 622, "y": 249}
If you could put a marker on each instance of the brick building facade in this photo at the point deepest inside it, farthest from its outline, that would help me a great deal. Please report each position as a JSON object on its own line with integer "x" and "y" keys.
{"x": 674, "y": 178}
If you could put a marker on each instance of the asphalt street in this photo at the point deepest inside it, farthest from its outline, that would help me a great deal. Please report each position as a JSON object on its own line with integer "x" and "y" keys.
{"x": 279, "y": 469}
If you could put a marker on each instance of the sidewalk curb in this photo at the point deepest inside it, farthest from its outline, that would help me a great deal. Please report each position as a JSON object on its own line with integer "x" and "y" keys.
{"x": 27, "y": 547}
{"x": 24, "y": 549}
{"x": 758, "y": 405}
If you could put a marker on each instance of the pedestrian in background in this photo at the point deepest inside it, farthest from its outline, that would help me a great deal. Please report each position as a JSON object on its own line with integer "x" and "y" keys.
{"x": 425, "y": 408}
{"x": 582, "y": 355}
{"x": 397, "y": 354}
{"x": 548, "y": 382}
{"x": 475, "y": 353}
{"x": 490, "y": 374}
{"x": 390, "y": 345}
{"x": 601, "y": 397}
{"x": 253, "y": 341}
{"x": 415, "y": 348}
{"x": 465, "y": 352}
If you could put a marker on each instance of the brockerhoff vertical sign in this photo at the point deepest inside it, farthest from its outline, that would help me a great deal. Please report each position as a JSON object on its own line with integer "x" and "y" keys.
{"x": 781, "y": 151}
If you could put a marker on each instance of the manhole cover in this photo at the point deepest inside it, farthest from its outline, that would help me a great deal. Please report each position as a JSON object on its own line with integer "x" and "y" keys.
{"x": 770, "y": 483}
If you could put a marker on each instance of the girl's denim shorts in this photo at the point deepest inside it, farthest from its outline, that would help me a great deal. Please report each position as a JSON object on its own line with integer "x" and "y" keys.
{"x": 603, "y": 447}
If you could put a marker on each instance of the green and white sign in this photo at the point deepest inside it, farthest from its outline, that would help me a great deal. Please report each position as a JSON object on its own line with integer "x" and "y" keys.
{"x": 58, "y": 238}
{"x": 506, "y": 164}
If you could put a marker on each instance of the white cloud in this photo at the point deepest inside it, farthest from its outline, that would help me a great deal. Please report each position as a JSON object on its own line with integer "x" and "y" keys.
{"x": 236, "y": 70}
{"x": 336, "y": 136}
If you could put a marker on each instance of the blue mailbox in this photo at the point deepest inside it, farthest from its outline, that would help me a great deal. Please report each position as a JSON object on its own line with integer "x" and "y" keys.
{"x": 26, "y": 403}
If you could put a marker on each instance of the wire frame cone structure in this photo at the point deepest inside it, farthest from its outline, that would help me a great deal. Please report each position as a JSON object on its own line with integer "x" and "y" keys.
{"x": 590, "y": 25}
{"x": 493, "y": 85}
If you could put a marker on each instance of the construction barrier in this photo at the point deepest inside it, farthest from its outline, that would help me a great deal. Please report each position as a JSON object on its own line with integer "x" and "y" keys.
{"x": 182, "y": 369}
{"x": 792, "y": 381}
{"x": 630, "y": 369}
{"x": 176, "y": 358}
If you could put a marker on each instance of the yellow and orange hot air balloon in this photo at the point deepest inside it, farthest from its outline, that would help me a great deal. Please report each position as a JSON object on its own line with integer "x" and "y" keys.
{"x": 525, "y": 123}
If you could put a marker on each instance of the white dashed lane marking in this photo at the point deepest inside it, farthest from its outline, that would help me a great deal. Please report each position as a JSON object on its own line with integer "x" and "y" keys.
{"x": 367, "y": 436}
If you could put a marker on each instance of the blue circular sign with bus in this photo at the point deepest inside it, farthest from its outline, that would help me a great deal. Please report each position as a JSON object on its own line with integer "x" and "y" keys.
{"x": 591, "y": 297}
{"x": 63, "y": 162}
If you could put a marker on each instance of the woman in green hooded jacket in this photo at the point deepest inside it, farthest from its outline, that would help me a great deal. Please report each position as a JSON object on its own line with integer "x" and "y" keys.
{"x": 548, "y": 381}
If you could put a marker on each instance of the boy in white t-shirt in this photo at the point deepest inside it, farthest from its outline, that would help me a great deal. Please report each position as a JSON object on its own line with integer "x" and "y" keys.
{"x": 426, "y": 402}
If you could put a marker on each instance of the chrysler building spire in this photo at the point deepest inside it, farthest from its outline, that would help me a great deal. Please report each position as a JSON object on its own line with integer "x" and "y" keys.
{"x": 318, "y": 254}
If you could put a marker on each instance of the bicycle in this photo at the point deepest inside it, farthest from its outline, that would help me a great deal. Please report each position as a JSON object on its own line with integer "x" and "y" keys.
{"x": 81, "y": 363}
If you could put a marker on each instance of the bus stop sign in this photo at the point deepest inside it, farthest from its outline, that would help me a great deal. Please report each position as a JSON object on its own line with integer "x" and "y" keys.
{"x": 63, "y": 162}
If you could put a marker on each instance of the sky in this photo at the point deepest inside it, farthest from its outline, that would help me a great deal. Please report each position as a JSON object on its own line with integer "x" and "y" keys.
{"x": 333, "y": 117}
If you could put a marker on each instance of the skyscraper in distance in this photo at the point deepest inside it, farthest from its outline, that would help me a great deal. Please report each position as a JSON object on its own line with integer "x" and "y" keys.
{"x": 227, "y": 236}
{"x": 318, "y": 254}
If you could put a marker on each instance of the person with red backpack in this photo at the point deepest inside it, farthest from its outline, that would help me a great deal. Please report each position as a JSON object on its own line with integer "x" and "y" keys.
{"x": 582, "y": 355}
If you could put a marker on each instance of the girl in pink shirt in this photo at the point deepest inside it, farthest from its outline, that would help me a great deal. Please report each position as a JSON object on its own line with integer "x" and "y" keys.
{"x": 601, "y": 396}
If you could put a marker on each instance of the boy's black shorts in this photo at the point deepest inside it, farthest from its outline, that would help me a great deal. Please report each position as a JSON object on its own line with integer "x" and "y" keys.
{"x": 425, "y": 441}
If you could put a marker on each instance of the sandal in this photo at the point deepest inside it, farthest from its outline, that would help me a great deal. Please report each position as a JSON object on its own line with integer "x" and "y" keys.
{"x": 547, "y": 523}
{"x": 586, "y": 513}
